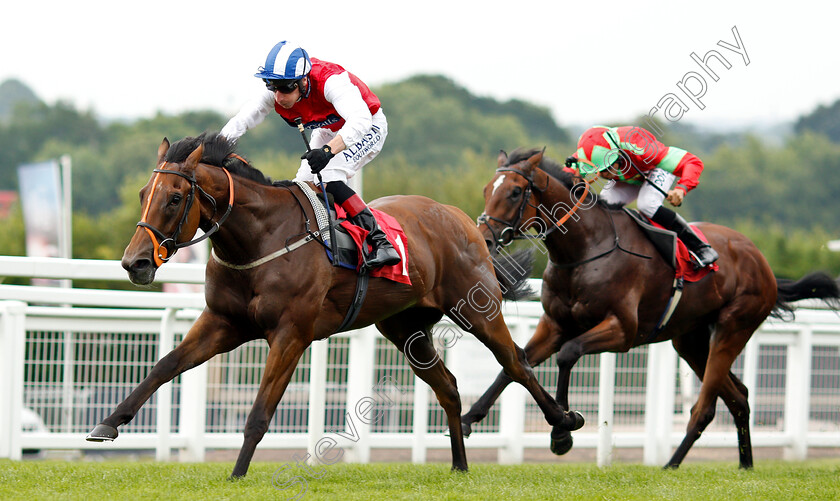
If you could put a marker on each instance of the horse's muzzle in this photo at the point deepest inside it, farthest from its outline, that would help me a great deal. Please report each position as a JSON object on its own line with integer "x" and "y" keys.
{"x": 141, "y": 271}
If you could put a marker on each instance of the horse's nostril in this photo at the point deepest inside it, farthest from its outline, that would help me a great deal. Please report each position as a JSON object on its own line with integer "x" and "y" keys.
{"x": 141, "y": 265}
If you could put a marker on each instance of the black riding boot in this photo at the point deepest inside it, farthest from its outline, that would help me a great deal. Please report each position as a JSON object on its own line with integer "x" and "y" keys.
{"x": 382, "y": 252}
{"x": 702, "y": 252}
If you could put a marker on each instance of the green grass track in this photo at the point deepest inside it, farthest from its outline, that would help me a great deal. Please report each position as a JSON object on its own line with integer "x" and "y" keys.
{"x": 31, "y": 480}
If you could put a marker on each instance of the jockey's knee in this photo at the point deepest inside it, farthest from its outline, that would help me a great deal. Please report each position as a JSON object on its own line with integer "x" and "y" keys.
{"x": 340, "y": 191}
{"x": 648, "y": 209}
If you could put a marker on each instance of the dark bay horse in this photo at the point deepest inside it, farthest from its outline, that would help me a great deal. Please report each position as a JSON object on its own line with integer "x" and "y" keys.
{"x": 600, "y": 294}
{"x": 299, "y": 297}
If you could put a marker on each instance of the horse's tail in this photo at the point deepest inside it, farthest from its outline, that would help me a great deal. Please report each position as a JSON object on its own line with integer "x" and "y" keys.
{"x": 815, "y": 285}
{"x": 512, "y": 272}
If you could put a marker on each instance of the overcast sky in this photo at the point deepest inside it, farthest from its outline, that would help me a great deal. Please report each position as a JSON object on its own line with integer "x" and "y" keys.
{"x": 588, "y": 62}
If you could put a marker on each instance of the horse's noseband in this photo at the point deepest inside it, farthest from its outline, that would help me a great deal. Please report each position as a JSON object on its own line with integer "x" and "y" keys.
{"x": 510, "y": 230}
{"x": 506, "y": 236}
{"x": 165, "y": 247}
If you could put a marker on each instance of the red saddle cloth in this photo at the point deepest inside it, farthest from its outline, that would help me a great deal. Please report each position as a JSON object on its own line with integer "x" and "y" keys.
{"x": 395, "y": 234}
{"x": 685, "y": 266}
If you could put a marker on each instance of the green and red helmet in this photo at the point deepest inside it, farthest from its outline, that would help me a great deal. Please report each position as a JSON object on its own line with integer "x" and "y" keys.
{"x": 597, "y": 149}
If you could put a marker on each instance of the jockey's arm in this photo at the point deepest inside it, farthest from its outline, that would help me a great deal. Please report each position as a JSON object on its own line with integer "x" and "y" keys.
{"x": 251, "y": 115}
{"x": 348, "y": 102}
{"x": 685, "y": 165}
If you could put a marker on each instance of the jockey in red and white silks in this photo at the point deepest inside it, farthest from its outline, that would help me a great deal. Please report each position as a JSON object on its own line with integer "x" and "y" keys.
{"x": 336, "y": 103}
{"x": 347, "y": 122}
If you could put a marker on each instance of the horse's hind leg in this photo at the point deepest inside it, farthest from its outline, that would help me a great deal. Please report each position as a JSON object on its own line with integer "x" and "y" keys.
{"x": 541, "y": 346}
{"x": 738, "y": 405}
{"x": 209, "y": 336}
{"x": 712, "y": 364}
{"x": 412, "y": 336}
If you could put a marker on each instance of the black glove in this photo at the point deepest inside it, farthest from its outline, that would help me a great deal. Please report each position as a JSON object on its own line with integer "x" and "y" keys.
{"x": 571, "y": 161}
{"x": 318, "y": 159}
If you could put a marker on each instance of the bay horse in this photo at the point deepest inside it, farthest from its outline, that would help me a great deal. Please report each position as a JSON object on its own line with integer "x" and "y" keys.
{"x": 297, "y": 298}
{"x": 600, "y": 294}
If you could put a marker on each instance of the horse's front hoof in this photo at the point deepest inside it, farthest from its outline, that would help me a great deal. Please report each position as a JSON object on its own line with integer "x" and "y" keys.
{"x": 561, "y": 442}
{"x": 102, "y": 433}
{"x": 577, "y": 420}
{"x": 466, "y": 429}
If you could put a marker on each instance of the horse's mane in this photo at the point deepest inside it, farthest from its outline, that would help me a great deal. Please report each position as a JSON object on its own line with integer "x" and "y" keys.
{"x": 553, "y": 169}
{"x": 218, "y": 151}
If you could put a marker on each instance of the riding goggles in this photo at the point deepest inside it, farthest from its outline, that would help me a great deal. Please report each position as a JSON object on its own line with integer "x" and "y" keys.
{"x": 281, "y": 86}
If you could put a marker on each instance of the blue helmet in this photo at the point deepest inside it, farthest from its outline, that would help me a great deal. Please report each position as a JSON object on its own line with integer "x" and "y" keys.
{"x": 285, "y": 61}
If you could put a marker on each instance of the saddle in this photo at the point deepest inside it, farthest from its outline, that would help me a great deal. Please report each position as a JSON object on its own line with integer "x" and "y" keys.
{"x": 671, "y": 248}
{"x": 349, "y": 245}
{"x": 350, "y": 238}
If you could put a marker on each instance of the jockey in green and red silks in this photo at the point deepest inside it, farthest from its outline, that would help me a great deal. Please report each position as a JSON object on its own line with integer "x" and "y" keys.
{"x": 644, "y": 170}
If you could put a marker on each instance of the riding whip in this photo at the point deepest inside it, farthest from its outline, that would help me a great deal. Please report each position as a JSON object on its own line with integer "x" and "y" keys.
{"x": 630, "y": 162}
{"x": 333, "y": 243}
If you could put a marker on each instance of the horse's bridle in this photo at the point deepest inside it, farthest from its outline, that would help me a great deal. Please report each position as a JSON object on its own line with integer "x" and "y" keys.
{"x": 511, "y": 230}
{"x": 165, "y": 247}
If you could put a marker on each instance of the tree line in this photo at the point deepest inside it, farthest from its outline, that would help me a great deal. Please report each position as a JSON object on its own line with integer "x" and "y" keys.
{"x": 443, "y": 143}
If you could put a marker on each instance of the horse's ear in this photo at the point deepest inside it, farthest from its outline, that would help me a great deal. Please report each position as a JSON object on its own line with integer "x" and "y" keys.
{"x": 162, "y": 149}
{"x": 193, "y": 160}
{"x": 540, "y": 178}
{"x": 535, "y": 160}
{"x": 502, "y": 158}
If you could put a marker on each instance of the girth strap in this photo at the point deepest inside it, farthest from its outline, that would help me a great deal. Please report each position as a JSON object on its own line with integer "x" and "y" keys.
{"x": 676, "y": 295}
{"x": 356, "y": 304}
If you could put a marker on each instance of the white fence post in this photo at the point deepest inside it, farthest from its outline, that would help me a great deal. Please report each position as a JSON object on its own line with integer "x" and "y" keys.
{"x": 659, "y": 403}
{"x": 606, "y": 407}
{"x": 750, "y": 376}
{"x": 67, "y": 400}
{"x": 512, "y": 410}
{"x": 12, "y": 349}
{"x": 164, "y": 393}
{"x": 193, "y": 414}
{"x": 512, "y": 424}
{"x": 360, "y": 365}
{"x": 797, "y": 401}
{"x": 421, "y": 420}
{"x": 317, "y": 396}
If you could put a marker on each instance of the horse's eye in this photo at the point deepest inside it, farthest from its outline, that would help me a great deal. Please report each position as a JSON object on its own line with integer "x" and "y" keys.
{"x": 517, "y": 191}
{"x": 175, "y": 200}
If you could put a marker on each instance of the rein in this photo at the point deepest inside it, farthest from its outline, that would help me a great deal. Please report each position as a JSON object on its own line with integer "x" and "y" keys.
{"x": 616, "y": 246}
{"x": 517, "y": 235}
{"x": 512, "y": 227}
{"x": 309, "y": 236}
{"x": 162, "y": 252}
{"x": 274, "y": 255}
{"x": 165, "y": 247}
